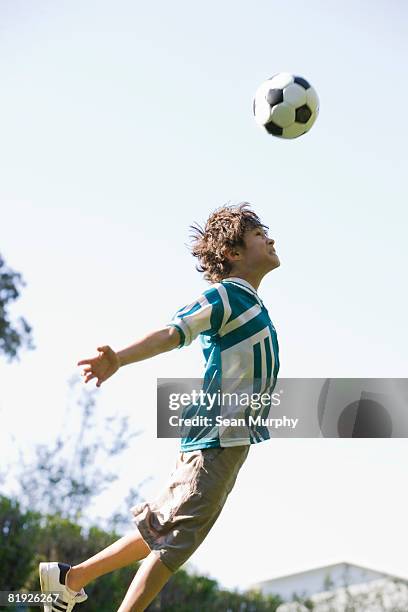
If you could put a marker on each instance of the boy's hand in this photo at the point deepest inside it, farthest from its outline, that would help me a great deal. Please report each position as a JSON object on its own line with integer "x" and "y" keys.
{"x": 102, "y": 366}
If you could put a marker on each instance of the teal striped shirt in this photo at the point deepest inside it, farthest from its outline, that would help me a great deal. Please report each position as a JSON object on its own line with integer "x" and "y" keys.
{"x": 241, "y": 352}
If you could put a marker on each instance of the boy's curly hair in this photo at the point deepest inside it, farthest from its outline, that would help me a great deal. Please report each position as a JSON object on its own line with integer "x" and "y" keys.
{"x": 224, "y": 230}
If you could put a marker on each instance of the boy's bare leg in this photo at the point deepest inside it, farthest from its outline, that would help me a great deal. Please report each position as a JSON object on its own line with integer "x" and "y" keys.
{"x": 150, "y": 578}
{"x": 121, "y": 553}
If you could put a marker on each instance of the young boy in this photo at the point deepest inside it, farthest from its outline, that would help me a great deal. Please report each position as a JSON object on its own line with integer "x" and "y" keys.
{"x": 239, "y": 343}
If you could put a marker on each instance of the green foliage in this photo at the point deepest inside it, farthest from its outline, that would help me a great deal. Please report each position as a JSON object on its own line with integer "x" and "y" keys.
{"x": 63, "y": 540}
{"x": 191, "y": 592}
{"x": 251, "y": 601}
{"x": 30, "y": 538}
{"x": 13, "y": 335}
{"x": 19, "y": 535}
{"x": 27, "y": 539}
{"x": 185, "y": 593}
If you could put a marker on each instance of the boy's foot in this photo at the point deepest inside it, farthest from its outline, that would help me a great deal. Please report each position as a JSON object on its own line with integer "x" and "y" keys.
{"x": 52, "y": 578}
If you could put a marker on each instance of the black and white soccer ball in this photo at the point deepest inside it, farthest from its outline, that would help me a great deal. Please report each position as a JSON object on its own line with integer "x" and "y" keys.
{"x": 286, "y": 105}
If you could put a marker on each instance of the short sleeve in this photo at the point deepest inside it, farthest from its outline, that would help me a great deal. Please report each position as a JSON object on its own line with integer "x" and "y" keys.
{"x": 203, "y": 316}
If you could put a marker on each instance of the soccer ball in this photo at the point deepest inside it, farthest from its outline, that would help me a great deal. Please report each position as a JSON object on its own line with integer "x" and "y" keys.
{"x": 286, "y": 105}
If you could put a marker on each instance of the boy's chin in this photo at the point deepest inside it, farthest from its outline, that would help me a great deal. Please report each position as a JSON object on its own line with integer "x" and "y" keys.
{"x": 275, "y": 263}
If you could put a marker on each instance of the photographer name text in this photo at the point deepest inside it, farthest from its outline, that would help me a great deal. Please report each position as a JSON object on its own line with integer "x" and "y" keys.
{"x": 250, "y": 421}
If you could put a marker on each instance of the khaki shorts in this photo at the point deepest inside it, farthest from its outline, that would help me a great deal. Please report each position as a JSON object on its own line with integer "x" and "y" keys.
{"x": 175, "y": 524}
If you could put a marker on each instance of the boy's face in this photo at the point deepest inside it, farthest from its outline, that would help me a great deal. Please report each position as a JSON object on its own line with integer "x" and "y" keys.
{"x": 259, "y": 254}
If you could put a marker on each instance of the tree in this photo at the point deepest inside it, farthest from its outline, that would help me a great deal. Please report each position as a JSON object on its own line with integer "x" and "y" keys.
{"x": 19, "y": 535}
{"x": 13, "y": 335}
{"x": 29, "y": 538}
{"x": 64, "y": 540}
{"x": 65, "y": 477}
{"x": 191, "y": 592}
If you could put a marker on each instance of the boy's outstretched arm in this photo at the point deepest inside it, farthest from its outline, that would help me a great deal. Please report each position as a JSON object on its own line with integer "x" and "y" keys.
{"x": 108, "y": 361}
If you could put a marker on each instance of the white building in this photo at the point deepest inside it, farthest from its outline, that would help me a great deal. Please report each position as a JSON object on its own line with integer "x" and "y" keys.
{"x": 330, "y": 587}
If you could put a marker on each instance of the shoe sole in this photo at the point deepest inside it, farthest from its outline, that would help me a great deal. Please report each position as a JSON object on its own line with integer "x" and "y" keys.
{"x": 44, "y": 583}
{"x": 43, "y": 571}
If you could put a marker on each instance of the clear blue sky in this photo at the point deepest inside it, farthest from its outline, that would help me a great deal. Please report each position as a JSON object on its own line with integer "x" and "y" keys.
{"x": 124, "y": 122}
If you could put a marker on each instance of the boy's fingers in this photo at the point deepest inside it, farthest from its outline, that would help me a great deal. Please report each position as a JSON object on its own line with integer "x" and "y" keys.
{"x": 92, "y": 360}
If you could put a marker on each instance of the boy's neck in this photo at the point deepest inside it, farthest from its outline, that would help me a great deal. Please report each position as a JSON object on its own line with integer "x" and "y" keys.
{"x": 253, "y": 279}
